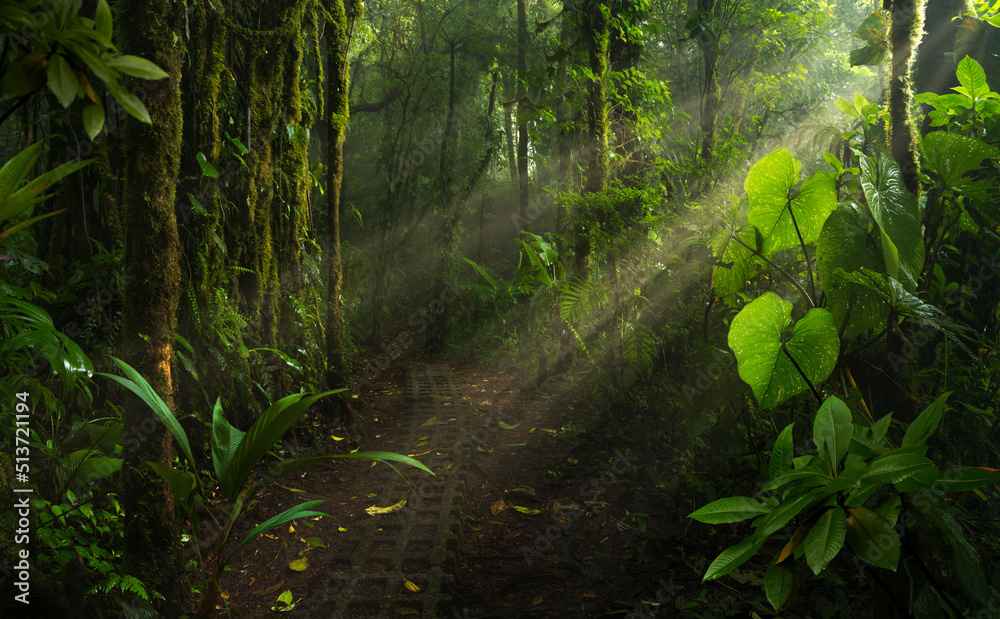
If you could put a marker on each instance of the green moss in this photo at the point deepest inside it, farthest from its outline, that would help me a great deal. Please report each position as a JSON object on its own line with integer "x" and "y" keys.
{"x": 907, "y": 23}
{"x": 152, "y": 549}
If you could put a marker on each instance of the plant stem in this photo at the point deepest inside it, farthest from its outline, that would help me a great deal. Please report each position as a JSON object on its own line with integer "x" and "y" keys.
{"x": 776, "y": 268}
{"x": 803, "y": 374}
{"x": 812, "y": 285}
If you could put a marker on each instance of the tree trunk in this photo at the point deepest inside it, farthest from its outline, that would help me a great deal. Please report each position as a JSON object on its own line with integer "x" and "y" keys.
{"x": 338, "y": 35}
{"x": 152, "y": 548}
{"x": 565, "y": 181}
{"x": 595, "y": 34}
{"x": 522, "y": 115}
{"x": 907, "y": 22}
{"x": 711, "y": 101}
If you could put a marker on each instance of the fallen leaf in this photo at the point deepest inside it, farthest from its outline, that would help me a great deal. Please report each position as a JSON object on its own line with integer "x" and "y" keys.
{"x": 299, "y": 565}
{"x": 497, "y": 507}
{"x": 286, "y": 599}
{"x": 337, "y": 438}
{"x": 315, "y": 542}
{"x": 411, "y": 586}
{"x": 526, "y": 510}
{"x": 525, "y": 490}
{"x": 514, "y": 534}
{"x": 374, "y": 510}
{"x": 508, "y": 426}
{"x": 270, "y": 590}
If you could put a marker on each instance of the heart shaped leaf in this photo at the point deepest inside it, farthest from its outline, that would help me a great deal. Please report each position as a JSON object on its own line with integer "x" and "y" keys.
{"x": 765, "y": 354}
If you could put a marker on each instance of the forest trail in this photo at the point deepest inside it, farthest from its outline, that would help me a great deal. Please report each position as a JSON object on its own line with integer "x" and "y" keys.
{"x": 391, "y": 564}
{"x": 515, "y": 523}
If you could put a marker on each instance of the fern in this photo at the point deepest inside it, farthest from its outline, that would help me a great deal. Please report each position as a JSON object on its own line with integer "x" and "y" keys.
{"x": 577, "y": 298}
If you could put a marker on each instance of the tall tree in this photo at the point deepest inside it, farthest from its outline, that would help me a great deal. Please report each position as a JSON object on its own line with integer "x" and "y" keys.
{"x": 595, "y": 29}
{"x": 711, "y": 102}
{"x": 522, "y": 114}
{"x": 907, "y": 24}
{"x": 338, "y": 33}
{"x": 152, "y": 29}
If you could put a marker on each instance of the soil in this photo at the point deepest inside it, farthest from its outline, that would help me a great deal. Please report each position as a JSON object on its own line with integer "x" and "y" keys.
{"x": 554, "y": 523}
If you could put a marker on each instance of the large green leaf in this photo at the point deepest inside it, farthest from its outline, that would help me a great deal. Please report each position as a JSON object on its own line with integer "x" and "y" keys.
{"x": 926, "y": 423}
{"x": 730, "y": 509}
{"x": 756, "y": 337}
{"x": 14, "y": 198}
{"x": 269, "y": 427}
{"x": 781, "y": 218}
{"x": 102, "y": 19}
{"x": 740, "y": 263}
{"x": 832, "y": 430}
{"x": 872, "y": 538}
{"x": 62, "y": 80}
{"x": 778, "y": 581}
{"x": 784, "y": 513}
{"x": 845, "y": 243}
{"x": 825, "y": 539}
{"x": 962, "y": 479}
{"x": 952, "y": 155}
{"x": 782, "y": 454}
{"x": 286, "y": 467}
{"x": 13, "y": 172}
{"x": 895, "y": 211}
{"x": 225, "y": 440}
{"x": 731, "y": 558}
{"x": 81, "y": 467}
{"x": 302, "y": 510}
{"x": 874, "y": 31}
{"x": 972, "y": 78}
{"x": 893, "y": 467}
{"x": 138, "y": 67}
{"x": 138, "y": 385}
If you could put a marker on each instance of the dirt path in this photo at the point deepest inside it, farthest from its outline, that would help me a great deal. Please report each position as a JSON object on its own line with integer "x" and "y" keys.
{"x": 376, "y": 565}
{"x": 522, "y": 519}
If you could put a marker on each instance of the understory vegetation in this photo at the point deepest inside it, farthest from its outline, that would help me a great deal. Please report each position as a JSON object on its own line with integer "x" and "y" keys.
{"x": 752, "y": 245}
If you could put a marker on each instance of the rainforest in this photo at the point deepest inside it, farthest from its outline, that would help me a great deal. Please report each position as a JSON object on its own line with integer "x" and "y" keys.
{"x": 483, "y": 308}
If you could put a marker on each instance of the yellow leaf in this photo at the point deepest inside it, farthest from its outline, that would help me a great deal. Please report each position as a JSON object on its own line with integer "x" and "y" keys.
{"x": 498, "y": 507}
{"x": 538, "y": 600}
{"x": 337, "y": 438}
{"x": 411, "y": 586}
{"x": 299, "y": 565}
{"x": 375, "y": 510}
{"x": 793, "y": 543}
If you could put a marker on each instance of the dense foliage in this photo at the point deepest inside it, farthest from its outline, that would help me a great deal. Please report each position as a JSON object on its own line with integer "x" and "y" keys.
{"x": 709, "y": 224}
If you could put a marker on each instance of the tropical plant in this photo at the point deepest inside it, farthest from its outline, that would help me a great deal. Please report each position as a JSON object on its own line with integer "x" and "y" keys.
{"x": 235, "y": 455}
{"x": 829, "y": 494}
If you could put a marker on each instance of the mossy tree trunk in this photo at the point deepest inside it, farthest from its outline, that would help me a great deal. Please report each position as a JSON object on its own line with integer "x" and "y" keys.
{"x": 154, "y": 30}
{"x": 522, "y": 115}
{"x": 206, "y": 260}
{"x": 562, "y": 122}
{"x": 337, "y": 40}
{"x": 907, "y": 24}
{"x": 594, "y": 21}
